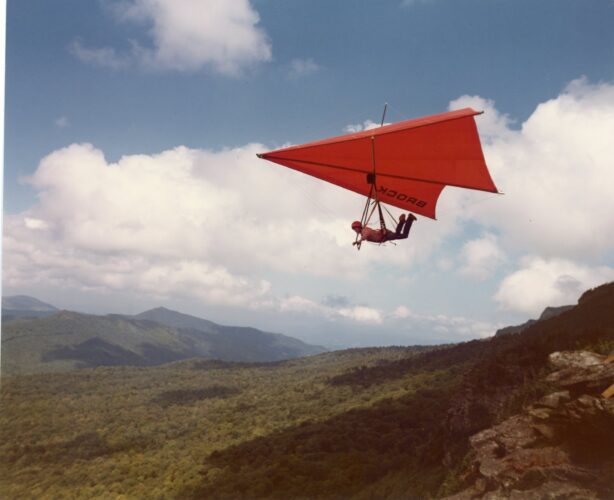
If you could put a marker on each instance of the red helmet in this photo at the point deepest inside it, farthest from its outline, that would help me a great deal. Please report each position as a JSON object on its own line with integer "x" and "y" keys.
{"x": 356, "y": 225}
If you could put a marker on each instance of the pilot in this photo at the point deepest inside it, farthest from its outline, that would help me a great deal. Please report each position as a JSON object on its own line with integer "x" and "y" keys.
{"x": 379, "y": 236}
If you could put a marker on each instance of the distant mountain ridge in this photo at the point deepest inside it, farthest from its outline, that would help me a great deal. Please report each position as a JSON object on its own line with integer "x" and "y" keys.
{"x": 26, "y": 303}
{"x": 68, "y": 340}
{"x": 24, "y": 306}
{"x": 255, "y": 342}
{"x": 37, "y": 337}
{"x": 176, "y": 319}
{"x": 548, "y": 313}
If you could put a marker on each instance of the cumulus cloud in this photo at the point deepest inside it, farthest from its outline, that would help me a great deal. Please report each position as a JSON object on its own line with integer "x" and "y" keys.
{"x": 459, "y": 327}
{"x": 554, "y": 220}
{"x": 189, "y": 223}
{"x": 35, "y": 256}
{"x": 31, "y": 223}
{"x": 359, "y": 127}
{"x": 186, "y": 35}
{"x": 548, "y": 282}
{"x": 184, "y": 222}
{"x": 481, "y": 257}
{"x": 299, "y": 68}
{"x": 493, "y": 124}
{"x": 556, "y": 173}
{"x": 401, "y": 312}
{"x": 398, "y": 325}
{"x": 208, "y": 224}
{"x": 362, "y": 314}
{"x": 105, "y": 57}
{"x": 439, "y": 327}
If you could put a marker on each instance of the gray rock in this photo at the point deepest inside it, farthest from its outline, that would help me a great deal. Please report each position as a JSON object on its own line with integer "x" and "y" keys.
{"x": 554, "y": 400}
{"x": 575, "y": 359}
{"x": 532, "y": 455}
{"x": 581, "y": 372}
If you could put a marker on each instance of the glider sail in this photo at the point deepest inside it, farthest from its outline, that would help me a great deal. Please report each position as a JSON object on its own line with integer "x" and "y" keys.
{"x": 409, "y": 162}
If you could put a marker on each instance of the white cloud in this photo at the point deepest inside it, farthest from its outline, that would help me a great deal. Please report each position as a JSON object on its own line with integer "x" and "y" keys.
{"x": 548, "y": 282}
{"x": 362, "y": 314}
{"x": 208, "y": 224}
{"x": 399, "y": 325}
{"x": 492, "y": 124}
{"x": 556, "y": 173}
{"x": 299, "y": 304}
{"x": 302, "y": 67}
{"x": 460, "y": 327}
{"x": 480, "y": 258}
{"x": 204, "y": 225}
{"x": 105, "y": 57}
{"x": 444, "y": 264}
{"x": 359, "y": 127}
{"x": 181, "y": 223}
{"x": 186, "y": 35}
{"x": 187, "y": 223}
{"x": 31, "y": 223}
{"x": 358, "y": 314}
{"x": 439, "y": 327}
{"x": 401, "y": 312}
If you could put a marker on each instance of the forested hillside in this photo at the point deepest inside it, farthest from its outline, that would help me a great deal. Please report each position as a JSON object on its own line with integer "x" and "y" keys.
{"x": 362, "y": 423}
{"x": 68, "y": 340}
{"x": 146, "y": 431}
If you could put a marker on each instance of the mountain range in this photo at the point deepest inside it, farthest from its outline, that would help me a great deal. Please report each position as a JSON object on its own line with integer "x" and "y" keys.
{"x": 526, "y": 415}
{"x": 38, "y": 338}
{"x": 23, "y": 306}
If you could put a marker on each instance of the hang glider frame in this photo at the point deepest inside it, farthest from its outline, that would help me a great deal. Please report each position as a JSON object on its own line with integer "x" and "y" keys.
{"x": 373, "y": 200}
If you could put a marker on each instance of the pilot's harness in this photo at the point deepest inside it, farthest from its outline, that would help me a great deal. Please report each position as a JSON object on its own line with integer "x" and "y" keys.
{"x": 372, "y": 203}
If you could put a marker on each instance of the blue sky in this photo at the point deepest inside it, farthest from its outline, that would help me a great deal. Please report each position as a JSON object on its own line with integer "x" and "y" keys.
{"x": 131, "y": 179}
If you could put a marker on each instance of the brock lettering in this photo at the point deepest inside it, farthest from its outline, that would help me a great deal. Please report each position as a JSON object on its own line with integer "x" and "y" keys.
{"x": 391, "y": 193}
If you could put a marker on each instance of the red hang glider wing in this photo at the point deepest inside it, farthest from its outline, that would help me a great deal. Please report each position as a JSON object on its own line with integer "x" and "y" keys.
{"x": 413, "y": 160}
{"x": 407, "y": 194}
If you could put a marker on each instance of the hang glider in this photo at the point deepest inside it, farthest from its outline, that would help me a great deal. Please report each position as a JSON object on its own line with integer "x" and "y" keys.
{"x": 405, "y": 164}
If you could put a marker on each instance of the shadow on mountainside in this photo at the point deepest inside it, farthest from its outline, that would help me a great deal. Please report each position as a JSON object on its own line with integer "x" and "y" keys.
{"x": 412, "y": 446}
{"x": 97, "y": 352}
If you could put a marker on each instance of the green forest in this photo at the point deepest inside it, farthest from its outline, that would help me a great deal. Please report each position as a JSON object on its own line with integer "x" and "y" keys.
{"x": 361, "y": 423}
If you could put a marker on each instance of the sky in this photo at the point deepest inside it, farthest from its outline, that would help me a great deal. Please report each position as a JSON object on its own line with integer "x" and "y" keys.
{"x": 131, "y": 179}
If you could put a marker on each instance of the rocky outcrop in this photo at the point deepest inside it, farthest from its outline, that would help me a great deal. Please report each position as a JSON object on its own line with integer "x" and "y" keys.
{"x": 581, "y": 372}
{"x": 560, "y": 447}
